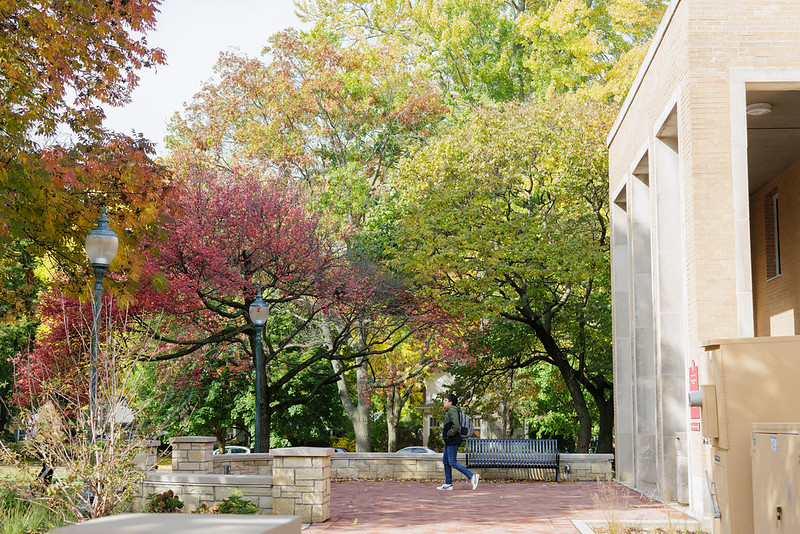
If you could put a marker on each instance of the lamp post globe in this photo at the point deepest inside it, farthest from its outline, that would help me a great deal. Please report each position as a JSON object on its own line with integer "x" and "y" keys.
{"x": 259, "y": 311}
{"x": 101, "y": 247}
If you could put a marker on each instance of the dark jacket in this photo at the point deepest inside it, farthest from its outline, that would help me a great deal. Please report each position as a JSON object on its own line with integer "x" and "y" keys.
{"x": 451, "y": 431}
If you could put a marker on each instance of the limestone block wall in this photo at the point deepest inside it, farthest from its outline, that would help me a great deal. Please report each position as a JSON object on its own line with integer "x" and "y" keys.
{"x": 390, "y": 466}
{"x": 393, "y": 466}
{"x": 587, "y": 467}
{"x": 194, "y": 489}
{"x": 300, "y": 485}
{"x": 192, "y": 454}
{"x": 302, "y": 482}
{"x": 242, "y": 464}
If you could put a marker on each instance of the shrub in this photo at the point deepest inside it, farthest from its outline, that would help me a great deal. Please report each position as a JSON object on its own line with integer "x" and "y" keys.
{"x": 232, "y": 505}
{"x": 163, "y": 503}
{"x": 235, "y": 504}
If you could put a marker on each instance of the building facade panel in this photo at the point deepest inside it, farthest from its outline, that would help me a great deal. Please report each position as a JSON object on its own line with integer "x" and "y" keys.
{"x": 705, "y": 240}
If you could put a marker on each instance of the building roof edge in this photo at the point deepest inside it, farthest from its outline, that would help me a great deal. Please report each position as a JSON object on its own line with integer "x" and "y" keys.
{"x": 651, "y": 52}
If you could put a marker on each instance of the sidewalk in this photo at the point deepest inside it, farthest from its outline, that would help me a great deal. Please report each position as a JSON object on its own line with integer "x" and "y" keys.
{"x": 495, "y": 507}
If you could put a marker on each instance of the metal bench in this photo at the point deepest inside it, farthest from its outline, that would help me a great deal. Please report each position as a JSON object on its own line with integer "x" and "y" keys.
{"x": 521, "y": 453}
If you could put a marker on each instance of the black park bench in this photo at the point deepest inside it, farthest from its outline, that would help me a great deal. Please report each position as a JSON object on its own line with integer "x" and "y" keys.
{"x": 514, "y": 453}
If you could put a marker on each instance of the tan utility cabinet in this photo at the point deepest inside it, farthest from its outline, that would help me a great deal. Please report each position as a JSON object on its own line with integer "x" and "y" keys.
{"x": 744, "y": 382}
{"x": 776, "y": 477}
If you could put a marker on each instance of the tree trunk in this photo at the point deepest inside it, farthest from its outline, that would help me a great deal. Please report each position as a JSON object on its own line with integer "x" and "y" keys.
{"x": 3, "y": 416}
{"x": 357, "y": 412}
{"x": 605, "y": 438}
{"x": 605, "y": 407}
{"x": 220, "y": 435}
{"x": 579, "y": 403}
{"x": 396, "y": 401}
{"x": 571, "y": 380}
{"x": 394, "y": 407}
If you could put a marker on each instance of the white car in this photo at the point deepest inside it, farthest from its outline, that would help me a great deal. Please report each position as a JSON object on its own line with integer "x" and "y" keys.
{"x": 234, "y": 449}
{"x": 418, "y": 450}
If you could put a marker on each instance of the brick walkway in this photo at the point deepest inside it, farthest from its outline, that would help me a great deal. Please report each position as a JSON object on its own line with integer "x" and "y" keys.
{"x": 495, "y": 507}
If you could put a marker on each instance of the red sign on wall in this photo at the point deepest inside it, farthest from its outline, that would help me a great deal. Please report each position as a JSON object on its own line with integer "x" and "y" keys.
{"x": 694, "y": 385}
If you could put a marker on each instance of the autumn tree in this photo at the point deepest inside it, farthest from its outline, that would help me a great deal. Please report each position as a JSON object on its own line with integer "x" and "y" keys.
{"x": 94, "y": 477}
{"x": 229, "y": 238}
{"x": 337, "y": 118}
{"x": 506, "y": 218}
{"x": 61, "y": 62}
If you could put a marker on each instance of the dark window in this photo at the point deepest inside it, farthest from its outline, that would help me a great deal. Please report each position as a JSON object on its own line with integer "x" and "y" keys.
{"x": 772, "y": 235}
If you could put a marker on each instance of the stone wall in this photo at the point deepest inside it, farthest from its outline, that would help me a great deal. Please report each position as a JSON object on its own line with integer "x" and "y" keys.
{"x": 296, "y": 480}
{"x": 289, "y": 481}
{"x": 393, "y": 466}
{"x": 193, "y": 454}
{"x": 242, "y": 464}
{"x": 195, "y": 489}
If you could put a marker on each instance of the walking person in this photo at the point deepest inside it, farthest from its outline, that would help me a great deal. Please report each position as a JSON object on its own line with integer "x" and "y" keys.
{"x": 451, "y": 433}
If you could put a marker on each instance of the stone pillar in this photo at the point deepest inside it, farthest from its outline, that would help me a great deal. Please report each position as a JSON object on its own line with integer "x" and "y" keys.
{"x": 148, "y": 460}
{"x": 193, "y": 454}
{"x": 301, "y": 482}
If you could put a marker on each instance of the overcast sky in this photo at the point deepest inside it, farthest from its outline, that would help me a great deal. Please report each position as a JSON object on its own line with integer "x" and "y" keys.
{"x": 193, "y": 33}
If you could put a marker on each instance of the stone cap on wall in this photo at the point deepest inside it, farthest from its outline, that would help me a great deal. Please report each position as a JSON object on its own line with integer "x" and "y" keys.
{"x": 243, "y": 457}
{"x": 193, "y": 439}
{"x": 209, "y": 479}
{"x": 302, "y": 451}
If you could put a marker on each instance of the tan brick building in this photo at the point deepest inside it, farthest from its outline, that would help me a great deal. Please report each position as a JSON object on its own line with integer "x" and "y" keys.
{"x": 705, "y": 202}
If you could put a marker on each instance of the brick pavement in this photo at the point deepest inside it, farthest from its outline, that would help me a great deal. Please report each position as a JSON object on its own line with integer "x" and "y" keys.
{"x": 495, "y": 507}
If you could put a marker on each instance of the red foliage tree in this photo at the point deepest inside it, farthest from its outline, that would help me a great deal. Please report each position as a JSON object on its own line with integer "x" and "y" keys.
{"x": 58, "y": 363}
{"x": 228, "y": 238}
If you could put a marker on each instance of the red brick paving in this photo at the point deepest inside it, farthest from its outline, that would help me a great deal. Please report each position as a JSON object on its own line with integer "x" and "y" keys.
{"x": 495, "y": 507}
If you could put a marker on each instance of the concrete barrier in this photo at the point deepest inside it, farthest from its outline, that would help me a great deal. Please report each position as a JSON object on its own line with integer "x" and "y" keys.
{"x": 183, "y": 523}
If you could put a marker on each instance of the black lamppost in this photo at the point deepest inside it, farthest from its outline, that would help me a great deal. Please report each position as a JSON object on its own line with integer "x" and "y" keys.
{"x": 101, "y": 247}
{"x": 258, "y": 315}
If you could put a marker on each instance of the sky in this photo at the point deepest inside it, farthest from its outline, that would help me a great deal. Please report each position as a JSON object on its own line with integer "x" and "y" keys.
{"x": 193, "y": 33}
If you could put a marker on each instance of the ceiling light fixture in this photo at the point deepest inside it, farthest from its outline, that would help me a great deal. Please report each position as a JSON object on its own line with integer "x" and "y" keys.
{"x": 759, "y": 108}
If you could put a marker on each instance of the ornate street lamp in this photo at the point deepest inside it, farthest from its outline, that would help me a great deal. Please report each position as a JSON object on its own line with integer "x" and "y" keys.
{"x": 258, "y": 315}
{"x": 101, "y": 247}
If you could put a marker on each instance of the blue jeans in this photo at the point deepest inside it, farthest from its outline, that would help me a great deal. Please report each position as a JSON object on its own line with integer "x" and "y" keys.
{"x": 449, "y": 460}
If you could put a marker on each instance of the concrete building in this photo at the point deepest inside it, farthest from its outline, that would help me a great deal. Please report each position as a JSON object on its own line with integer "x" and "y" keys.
{"x": 704, "y": 173}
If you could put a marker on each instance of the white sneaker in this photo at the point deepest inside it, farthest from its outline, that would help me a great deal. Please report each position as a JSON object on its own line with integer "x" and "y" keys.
{"x": 448, "y": 487}
{"x": 474, "y": 480}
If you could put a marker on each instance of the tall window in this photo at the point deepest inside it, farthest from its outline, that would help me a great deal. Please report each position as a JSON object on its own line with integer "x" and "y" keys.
{"x": 772, "y": 235}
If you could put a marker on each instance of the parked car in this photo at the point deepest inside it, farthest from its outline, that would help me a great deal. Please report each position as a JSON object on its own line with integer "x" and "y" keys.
{"x": 340, "y": 449}
{"x": 418, "y": 450}
{"x": 234, "y": 449}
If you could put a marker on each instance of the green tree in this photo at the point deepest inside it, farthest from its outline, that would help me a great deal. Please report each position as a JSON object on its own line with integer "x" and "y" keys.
{"x": 506, "y": 216}
{"x": 210, "y": 393}
{"x": 500, "y": 50}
